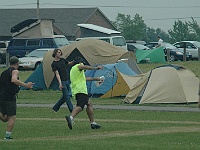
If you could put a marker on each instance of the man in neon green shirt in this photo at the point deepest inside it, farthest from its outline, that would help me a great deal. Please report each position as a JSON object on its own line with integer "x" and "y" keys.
{"x": 79, "y": 91}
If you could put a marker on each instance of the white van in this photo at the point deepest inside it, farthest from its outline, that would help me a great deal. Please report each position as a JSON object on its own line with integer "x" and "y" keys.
{"x": 114, "y": 40}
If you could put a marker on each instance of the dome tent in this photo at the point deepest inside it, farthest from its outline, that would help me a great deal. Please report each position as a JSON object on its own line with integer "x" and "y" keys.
{"x": 165, "y": 84}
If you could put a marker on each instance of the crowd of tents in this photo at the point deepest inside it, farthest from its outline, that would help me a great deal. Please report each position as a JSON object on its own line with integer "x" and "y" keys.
{"x": 123, "y": 77}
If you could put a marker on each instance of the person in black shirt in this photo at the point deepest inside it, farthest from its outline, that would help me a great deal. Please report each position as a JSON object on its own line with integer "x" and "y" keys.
{"x": 60, "y": 67}
{"x": 9, "y": 87}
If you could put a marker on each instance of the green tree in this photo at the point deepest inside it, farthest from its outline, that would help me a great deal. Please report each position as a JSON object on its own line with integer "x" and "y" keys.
{"x": 124, "y": 24}
{"x": 132, "y": 29}
{"x": 179, "y": 32}
{"x": 152, "y": 34}
{"x": 136, "y": 29}
{"x": 194, "y": 29}
{"x": 139, "y": 31}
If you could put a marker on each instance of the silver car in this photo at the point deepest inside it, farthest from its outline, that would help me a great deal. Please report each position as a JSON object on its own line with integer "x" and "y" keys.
{"x": 33, "y": 59}
{"x": 191, "y": 46}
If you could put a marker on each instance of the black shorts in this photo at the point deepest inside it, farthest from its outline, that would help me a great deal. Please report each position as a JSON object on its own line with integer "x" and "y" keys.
{"x": 82, "y": 99}
{"x": 8, "y": 108}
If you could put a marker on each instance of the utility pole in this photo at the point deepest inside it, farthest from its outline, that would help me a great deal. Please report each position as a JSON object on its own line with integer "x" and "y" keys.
{"x": 38, "y": 12}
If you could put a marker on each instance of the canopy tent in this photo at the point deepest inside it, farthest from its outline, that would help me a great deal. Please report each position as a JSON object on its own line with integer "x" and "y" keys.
{"x": 156, "y": 55}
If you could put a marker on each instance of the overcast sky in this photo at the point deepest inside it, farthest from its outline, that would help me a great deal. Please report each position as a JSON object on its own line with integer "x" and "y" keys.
{"x": 155, "y": 13}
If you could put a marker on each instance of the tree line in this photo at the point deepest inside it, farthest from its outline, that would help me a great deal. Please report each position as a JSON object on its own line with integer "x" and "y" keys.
{"x": 136, "y": 29}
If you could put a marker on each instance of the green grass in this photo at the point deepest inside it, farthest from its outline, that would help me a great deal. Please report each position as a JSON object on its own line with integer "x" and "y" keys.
{"x": 194, "y": 66}
{"x": 39, "y": 128}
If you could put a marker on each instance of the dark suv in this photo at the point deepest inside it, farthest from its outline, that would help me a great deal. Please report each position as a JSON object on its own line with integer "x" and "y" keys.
{"x": 21, "y": 46}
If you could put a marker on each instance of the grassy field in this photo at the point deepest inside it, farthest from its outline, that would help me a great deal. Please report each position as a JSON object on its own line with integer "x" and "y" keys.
{"x": 41, "y": 129}
{"x": 194, "y": 66}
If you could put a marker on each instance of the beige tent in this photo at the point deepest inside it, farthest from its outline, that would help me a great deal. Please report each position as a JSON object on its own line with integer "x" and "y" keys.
{"x": 165, "y": 84}
{"x": 123, "y": 85}
{"x": 93, "y": 51}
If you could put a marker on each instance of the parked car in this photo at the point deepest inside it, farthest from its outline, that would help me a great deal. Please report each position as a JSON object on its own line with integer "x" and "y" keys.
{"x": 135, "y": 46}
{"x": 174, "y": 53}
{"x": 151, "y": 45}
{"x": 191, "y": 46}
{"x": 114, "y": 40}
{"x": 136, "y": 41}
{"x": 21, "y": 46}
{"x": 71, "y": 42}
{"x": 33, "y": 59}
{"x": 3, "y": 47}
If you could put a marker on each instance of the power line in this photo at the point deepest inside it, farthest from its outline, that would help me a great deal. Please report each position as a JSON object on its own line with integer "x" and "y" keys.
{"x": 179, "y": 18}
{"x": 25, "y": 4}
{"x": 103, "y": 6}
{"x": 19, "y": 4}
{"x": 61, "y": 22}
{"x": 117, "y": 6}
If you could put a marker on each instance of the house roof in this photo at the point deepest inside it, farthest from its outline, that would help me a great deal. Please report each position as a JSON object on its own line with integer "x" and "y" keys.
{"x": 66, "y": 19}
{"x": 99, "y": 28}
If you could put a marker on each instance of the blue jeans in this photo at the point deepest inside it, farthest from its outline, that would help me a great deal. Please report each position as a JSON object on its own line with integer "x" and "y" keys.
{"x": 65, "y": 97}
